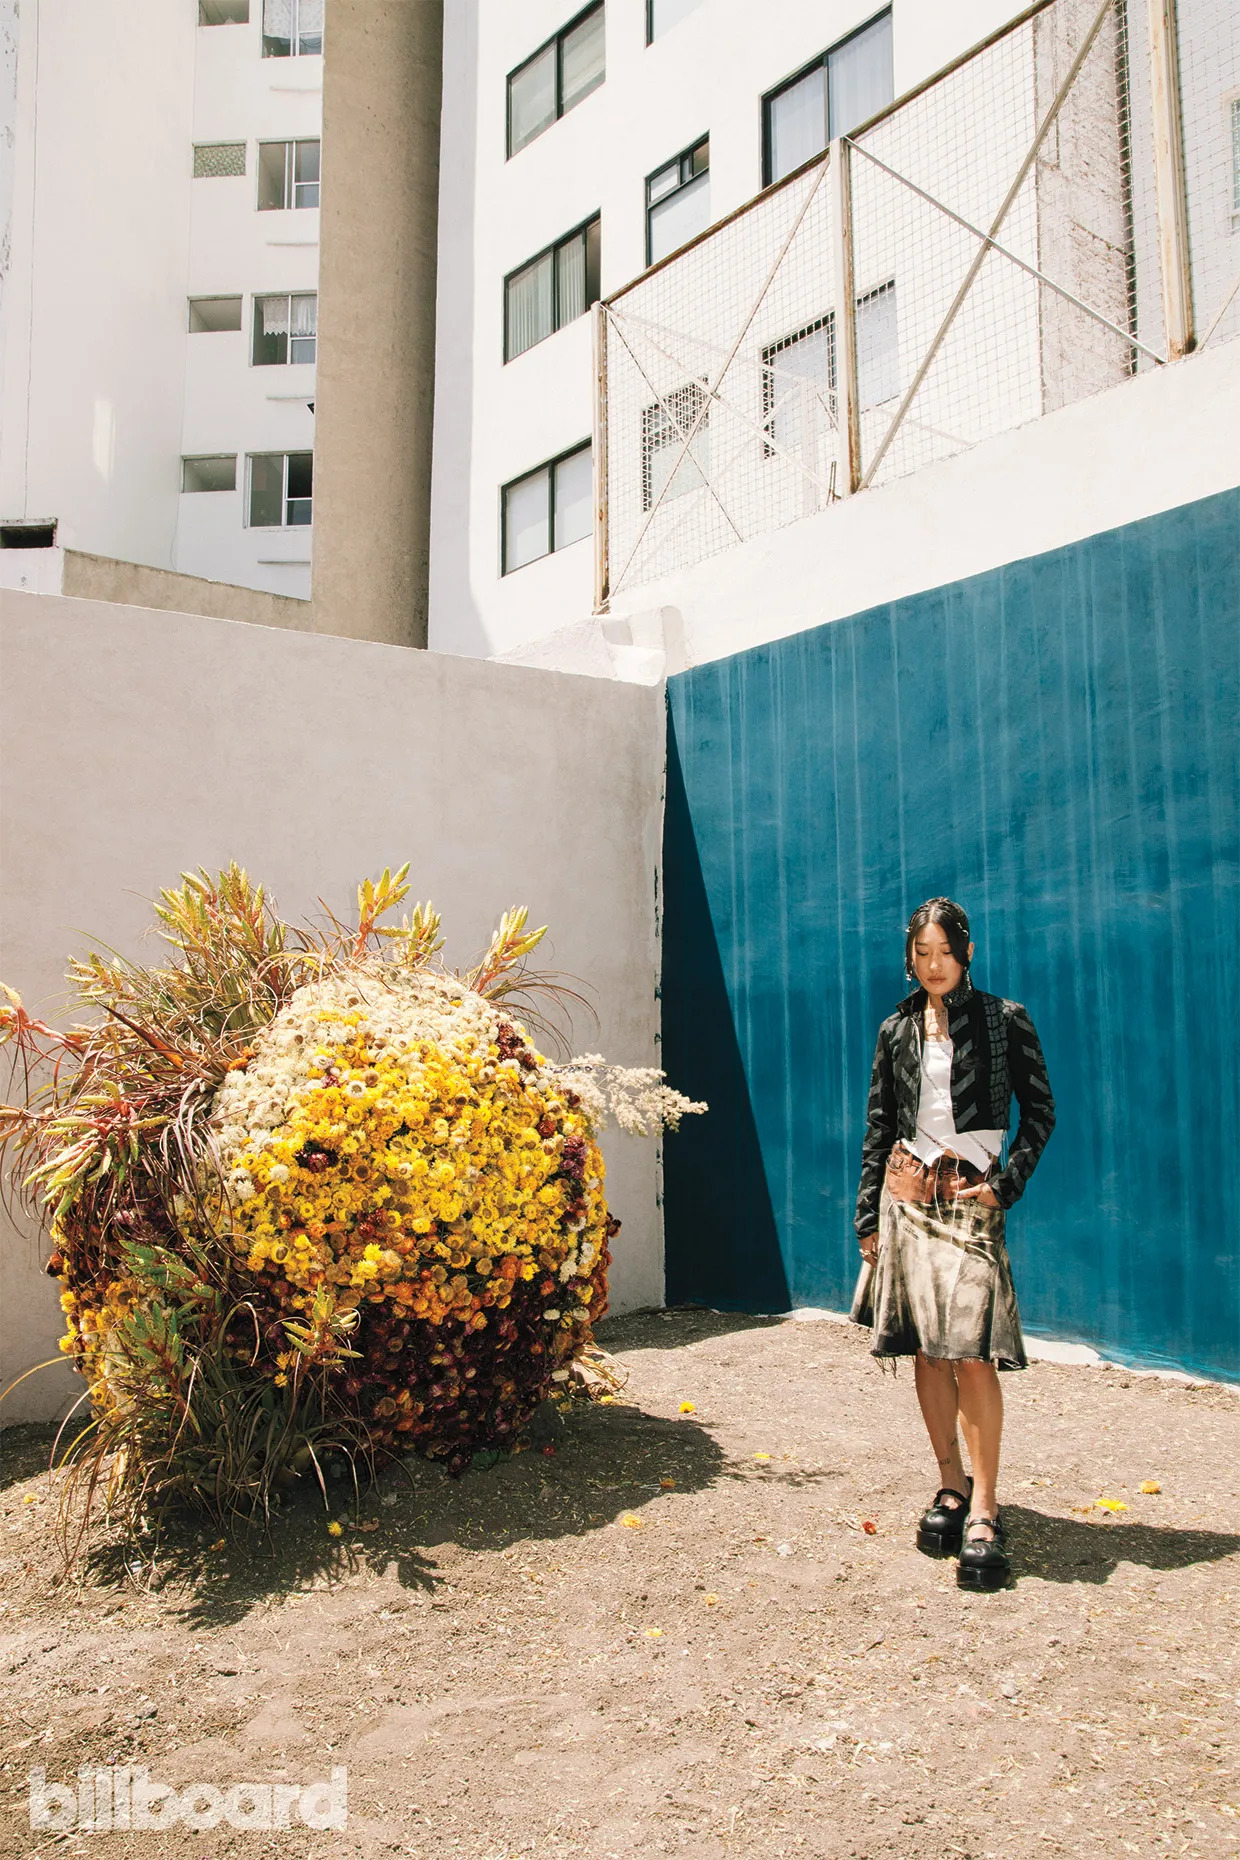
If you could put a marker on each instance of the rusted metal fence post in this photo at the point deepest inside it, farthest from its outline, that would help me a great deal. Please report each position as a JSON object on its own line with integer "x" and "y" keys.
{"x": 847, "y": 404}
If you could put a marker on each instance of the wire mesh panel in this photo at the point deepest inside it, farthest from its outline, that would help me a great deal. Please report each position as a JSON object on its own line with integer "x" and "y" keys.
{"x": 1209, "y": 57}
{"x": 1002, "y": 233}
{"x": 721, "y": 387}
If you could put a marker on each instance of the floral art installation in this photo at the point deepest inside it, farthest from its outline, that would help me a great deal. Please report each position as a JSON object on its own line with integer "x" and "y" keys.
{"x": 313, "y": 1193}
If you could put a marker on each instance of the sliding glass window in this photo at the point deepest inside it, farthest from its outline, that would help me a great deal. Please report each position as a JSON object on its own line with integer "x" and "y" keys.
{"x": 844, "y": 87}
{"x": 558, "y": 76}
{"x": 551, "y": 290}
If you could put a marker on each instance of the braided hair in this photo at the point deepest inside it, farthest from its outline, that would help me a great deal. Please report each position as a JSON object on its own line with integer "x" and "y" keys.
{"x": 952, "y": 920}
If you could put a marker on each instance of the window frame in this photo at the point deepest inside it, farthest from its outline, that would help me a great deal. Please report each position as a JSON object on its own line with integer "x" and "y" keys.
{"x": 208, "y": 458}
{"x": 580, "y": 231}
{"x": 294, "y": 50}
{"x": 686, "y": 180}
{"x": 285, "y": 500}
{"x": 262, "y": 297}
{"x": 814, "y": 64}
{"x": 770, "y": 367}
{"x": 550, "y": 466}
{"x": 693, "y": 391}
{"x": 557, "y": 40}
{"x": 289, "y": 202}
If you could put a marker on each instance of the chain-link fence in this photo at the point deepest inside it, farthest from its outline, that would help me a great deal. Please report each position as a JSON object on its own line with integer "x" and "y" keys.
{"x": 1000, "y": 237}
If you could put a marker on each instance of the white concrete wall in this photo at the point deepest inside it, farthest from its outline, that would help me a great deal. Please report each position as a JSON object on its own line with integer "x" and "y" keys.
{"x": 137, "y": 744}
{"x": 103, "y": 389}
{"x": 94, "y": 310}
{"x": 1158, "y": 440}
{"x": 494, "y": 421}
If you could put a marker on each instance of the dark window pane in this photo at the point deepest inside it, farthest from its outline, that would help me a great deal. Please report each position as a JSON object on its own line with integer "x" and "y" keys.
{"x": 210, "y": 474}
{"x": 582, "y": 68}
{"x": 270, "y": 331}
{"x": 594, "y": 247}
{"x": 529, "y": 306}
{"x": 300, "y": 487}
{"x": 531, "y": 99}
{"x": 527, "y": 520}
{"x": 860, "y": 76}
{"x": 797, "y": 124}
{"x": 267, "y": 490}
{"x": 306, "y": 174}
{"x": 699, "y": 160}
{"x": 272, "y": 174}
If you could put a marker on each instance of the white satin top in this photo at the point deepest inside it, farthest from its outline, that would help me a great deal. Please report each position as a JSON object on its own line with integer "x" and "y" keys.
{"x": 936, "y": 1128}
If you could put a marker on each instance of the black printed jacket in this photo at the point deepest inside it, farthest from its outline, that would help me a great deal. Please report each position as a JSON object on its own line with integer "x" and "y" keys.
{"x": 995, "y": 1054}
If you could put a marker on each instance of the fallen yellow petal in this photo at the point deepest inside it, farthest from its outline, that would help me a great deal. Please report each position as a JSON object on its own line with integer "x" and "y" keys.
{"x": 1150, "y": 1485}
{"x": 762, "y": 1456}
{"x": 29, "y": 1499}
{"x": 667, "y": 1484}
{"x": 334, "y": 1529}
{"x": 1110, "y": 1504}
{"x": 710, "y": 1600}
{"x": 630, "y": 1522}
{"x": 653, "y": 1633}
{"x": 688, "y": 1407}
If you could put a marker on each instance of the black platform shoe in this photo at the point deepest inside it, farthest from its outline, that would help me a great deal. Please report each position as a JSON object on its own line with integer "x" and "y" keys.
{"x": 940, "y": 1530}
{"x": 983, "y": 1562}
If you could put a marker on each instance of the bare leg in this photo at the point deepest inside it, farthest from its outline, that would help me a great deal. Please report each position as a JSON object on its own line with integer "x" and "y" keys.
{"x": 936, "y": 1392}
{"x": 981, "y": 1418}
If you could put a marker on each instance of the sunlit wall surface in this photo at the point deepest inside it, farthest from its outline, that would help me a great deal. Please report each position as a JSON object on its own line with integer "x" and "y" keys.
{"x": 1055, "y": 744}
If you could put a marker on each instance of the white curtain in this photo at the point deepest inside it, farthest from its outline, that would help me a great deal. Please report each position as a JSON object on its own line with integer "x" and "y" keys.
{"x": 278, "y": 19}
{"x": 305, "y": 317}
{"x": 570, "y": 283}
{"x": 275, "y": 316}
{"x": 529, "y": 306}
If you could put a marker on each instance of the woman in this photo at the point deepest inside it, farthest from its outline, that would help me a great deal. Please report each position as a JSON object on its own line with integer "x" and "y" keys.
{"x": 935, "y": 1284}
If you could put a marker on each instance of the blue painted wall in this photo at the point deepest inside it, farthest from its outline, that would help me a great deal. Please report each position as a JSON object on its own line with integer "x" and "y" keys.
{"x": 1055, "y": 744}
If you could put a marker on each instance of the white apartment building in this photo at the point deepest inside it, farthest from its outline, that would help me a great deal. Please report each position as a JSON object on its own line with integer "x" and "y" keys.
{"x": 159, "y": 302}
{"x": 159, "y": 311}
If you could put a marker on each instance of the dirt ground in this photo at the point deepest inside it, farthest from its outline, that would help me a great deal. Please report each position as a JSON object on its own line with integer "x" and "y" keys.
{"x": 664, "y": 1633}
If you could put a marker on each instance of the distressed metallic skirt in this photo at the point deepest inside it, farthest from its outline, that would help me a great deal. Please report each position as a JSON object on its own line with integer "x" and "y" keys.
{"x": 942, "y": 1284}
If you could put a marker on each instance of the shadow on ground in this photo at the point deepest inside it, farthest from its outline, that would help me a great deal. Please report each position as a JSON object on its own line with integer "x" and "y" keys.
{"x": 1072, "y": 1550}
{"x": 578, "y": 1472}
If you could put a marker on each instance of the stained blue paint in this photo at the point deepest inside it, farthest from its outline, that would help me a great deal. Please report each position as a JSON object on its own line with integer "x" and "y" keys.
{"x": 1056, "y": 744}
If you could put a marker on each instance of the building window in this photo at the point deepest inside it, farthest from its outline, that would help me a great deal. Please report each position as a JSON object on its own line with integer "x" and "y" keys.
{"x": 216, "y": 471}
{"x": 223, "y": 12}
{"x": 553, "y": 289}
{"x": 213, "y": 313}
{"x": 212, "y": 160}
{"x": 560, "y": 73}
{"x": 665, "y": 428}
{"x": 288, "y": 174}
{"x": 662, "y": 15}
{"x": 798, "y": 378}
{"x": 843, "y": 88}
{"x": 291, "y": 27}
{"x": 285, "y": 328}
{"x": 548, "y": 508}
{"x": 281, "y": 489}
{"x": 27, "y": 535}
{"x": 799, "y": 371}
{"x": 678, "y": 201}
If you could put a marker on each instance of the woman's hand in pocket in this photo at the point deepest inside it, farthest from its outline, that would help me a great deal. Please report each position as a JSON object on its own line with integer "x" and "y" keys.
{"x": 983, "y": 1194}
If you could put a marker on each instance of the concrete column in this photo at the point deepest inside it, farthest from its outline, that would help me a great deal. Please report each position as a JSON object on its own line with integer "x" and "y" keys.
{"x": 382, "y": 90}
